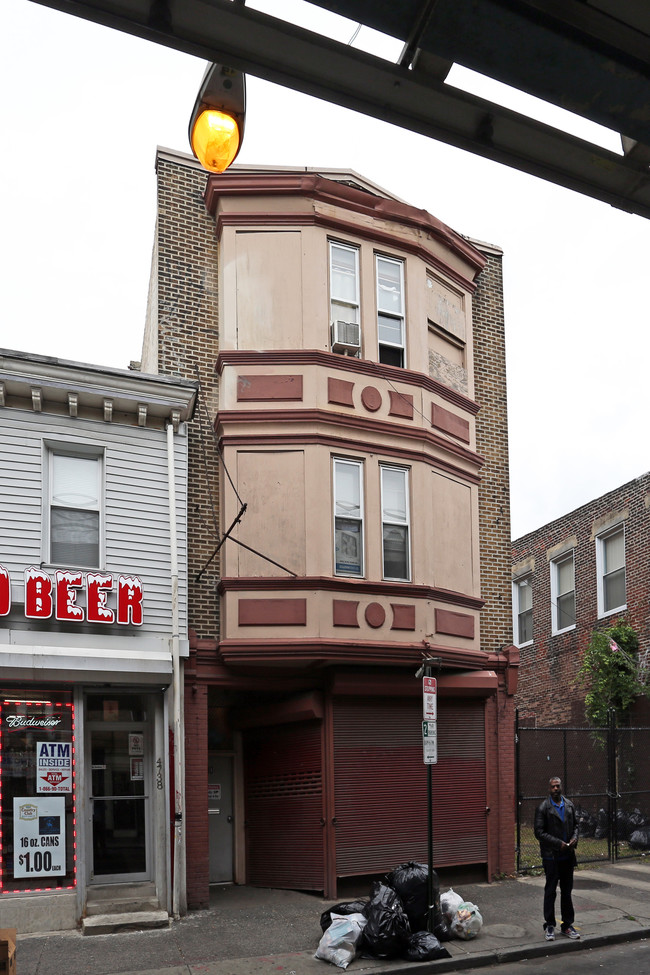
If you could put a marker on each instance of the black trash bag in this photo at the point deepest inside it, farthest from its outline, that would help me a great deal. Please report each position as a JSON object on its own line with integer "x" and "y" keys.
{"x": 638, "y": 820}
{"x": 640, "y": 839}
{"x": 602, "y": 827}
{"x": 388, "y": 929}
{"x": 423, "y": 946}
{"x": 623, "y": 825}
{"x": 351, "y": 907}
{"x": 442, "y": 928}
{"x": 410, "y": 881}
{"x": 586, "y": 822}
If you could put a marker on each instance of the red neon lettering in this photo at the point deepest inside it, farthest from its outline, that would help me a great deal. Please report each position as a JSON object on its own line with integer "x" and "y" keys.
{"x": 66, "y": 607}
{"x": 5, "y": 592}
{"x": 129, "y": 600}
{"x": 38, "y": 594}
{"x": 96, "y": 609}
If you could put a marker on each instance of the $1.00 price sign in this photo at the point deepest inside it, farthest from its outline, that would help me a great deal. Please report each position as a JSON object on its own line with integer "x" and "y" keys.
{"x": 39, "y": 836}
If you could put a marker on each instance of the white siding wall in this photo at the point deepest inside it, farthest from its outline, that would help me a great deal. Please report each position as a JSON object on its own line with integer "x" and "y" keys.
{"x": 136, "y": 515}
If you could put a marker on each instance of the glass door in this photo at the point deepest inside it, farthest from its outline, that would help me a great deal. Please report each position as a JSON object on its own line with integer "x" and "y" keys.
{"x": 119, "y": 769}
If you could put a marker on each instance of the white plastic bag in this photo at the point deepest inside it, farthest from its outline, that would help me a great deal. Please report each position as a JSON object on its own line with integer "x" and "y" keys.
{"x": 467, "y": 921}
{"x": 339, "y": 942}
{"x": 450, "y": 902}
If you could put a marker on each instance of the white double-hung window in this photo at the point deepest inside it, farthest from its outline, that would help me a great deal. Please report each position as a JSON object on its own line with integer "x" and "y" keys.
{"x": 348, "y": 518}
{"x": 390, "y": 310}
{"x": 344, "y": 283}
{"x": 74, "y": 509}
{"x": 522, "y": 608}
{"x": 395, "y": 523}
{"x": 610, "y": 567}
{"x": 563, "y": 593}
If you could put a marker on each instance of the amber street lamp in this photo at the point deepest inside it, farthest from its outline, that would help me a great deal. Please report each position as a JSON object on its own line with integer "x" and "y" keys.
{"x": 217, "y": 122}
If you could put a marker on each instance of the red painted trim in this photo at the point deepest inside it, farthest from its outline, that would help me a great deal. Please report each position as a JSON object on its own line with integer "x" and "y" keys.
{"x": 375, "y": 615}
{"x": 403, "y": 616}
{"x": 329, "y": 419}
{"x": 331, "y": 360}
{"x": 401, "y": 404}
{"x": 476, "y": 683}
{"x": 269, "y": 387}
{"x": 454, "y": 624}
{"x": 349, "y": 587}
{"x": 268, "y": 652}
{"x": 344, "y": 612}
{"x": 272, "y": 612}
{"x": 335, "y": 193}
{"x": 449, "y": 422}
{"x": 340, "y": 391}
{"x": 371, "y": 398}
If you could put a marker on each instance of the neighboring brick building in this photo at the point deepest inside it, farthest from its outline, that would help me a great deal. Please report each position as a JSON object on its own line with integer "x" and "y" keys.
{"x": 578, "y": 573}
{"x": 351, "y": 359}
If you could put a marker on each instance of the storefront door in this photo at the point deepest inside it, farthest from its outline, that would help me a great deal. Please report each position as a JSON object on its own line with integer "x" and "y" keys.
{"x": 119, "y": 769}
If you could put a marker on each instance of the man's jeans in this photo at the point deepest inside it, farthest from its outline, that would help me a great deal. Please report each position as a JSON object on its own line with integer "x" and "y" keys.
{"x": 562, "y": 871}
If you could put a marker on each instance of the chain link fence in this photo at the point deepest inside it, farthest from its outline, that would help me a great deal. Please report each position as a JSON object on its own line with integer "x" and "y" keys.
{"x": 605, "y": 771}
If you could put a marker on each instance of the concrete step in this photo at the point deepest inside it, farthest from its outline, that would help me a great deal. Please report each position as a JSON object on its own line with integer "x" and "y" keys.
{"x": 121, "y": 899}
{"x": 130, "y": 921}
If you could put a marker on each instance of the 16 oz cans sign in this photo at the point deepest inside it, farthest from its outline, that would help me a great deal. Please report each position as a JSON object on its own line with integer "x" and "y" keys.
{"x": 39, "y": 836}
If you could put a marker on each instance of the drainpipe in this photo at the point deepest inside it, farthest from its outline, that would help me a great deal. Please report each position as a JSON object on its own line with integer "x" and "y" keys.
{"x": 179, "y": 894}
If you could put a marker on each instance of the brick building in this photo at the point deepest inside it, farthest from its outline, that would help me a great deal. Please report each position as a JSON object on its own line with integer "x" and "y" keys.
{"x": 578, "y": 573}
{"x": 348, "y": 512}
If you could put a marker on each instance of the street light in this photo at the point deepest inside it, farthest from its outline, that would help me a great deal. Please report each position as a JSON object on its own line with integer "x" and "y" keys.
{"x": 217, "y": 123}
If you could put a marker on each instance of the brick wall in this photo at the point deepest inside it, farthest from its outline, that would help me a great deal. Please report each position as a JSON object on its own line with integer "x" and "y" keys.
{"x": 188, "y": 346}
{"x": 494, "y": 539}
{"x": 196, "y": 784}
{"x": 548, "y": 691}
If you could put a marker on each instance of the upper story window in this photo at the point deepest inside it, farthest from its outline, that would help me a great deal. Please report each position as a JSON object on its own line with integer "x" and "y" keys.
{"x": 522, "y": 608}
{"x": 344, "y": 297}
{"x": 610, "y": 566}
{"x": 348, "y": 518}
{"x": 563, "y": 594}
{"x": 395, "y": 523}
{"x": 75, "y": 509}
{"x": 390, "y": 310}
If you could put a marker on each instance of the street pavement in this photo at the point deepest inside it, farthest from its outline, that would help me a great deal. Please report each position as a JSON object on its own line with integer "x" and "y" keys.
{"x": 252, "y": 931}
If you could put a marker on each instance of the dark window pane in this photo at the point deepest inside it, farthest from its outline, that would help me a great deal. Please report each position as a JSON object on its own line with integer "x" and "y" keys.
{"x": 395, "y": 552}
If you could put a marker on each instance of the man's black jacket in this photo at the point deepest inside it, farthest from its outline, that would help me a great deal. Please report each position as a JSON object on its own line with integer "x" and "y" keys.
{"x": 550, "y": 830}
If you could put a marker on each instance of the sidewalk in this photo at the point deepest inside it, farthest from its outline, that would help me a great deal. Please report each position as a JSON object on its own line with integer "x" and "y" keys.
{"x": 250, "y": 931}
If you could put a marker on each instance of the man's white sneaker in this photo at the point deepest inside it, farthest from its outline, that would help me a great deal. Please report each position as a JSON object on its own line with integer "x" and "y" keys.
{"x": 571, "y": 932}
{"x": 550, "y": 933}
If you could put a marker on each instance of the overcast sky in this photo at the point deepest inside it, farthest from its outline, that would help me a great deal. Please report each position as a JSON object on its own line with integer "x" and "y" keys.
{"x": 83, "y": 109}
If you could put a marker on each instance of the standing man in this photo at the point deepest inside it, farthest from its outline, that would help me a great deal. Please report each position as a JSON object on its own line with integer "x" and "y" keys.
{"x": 556, "y": 828}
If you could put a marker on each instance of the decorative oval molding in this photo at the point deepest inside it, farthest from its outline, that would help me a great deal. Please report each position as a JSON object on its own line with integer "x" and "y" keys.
{"x": 375, "y": 615}
{"x": 371, "y": 398}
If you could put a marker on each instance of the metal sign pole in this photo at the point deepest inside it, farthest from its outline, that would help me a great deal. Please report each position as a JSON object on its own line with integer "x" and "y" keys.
{"x": 430, "y": 747}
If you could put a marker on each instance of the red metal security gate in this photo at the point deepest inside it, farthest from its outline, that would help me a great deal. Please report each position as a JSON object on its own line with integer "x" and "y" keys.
{"x": 284, "y": 806}
{"x": 381, "y": 788}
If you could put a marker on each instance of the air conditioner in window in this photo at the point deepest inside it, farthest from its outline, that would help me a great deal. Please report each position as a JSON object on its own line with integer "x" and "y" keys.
{"x": 346, "y": 337}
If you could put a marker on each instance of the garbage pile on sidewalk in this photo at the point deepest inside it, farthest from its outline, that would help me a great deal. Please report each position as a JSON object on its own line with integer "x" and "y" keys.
{"x": 393, "y": 922}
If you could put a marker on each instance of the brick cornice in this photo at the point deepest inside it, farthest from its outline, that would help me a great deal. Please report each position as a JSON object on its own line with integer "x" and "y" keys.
{"x": 334, "y": 193}
{"x": 330, "y": 360}
{"x": 350, "y": 587}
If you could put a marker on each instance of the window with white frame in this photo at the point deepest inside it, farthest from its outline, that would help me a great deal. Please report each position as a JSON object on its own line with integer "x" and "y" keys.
{"x": 610, "y": 566}
{"x": 395, "y": 523}
{"x": 74, "y": 509}
{"x": 563, "y": 593}
{"x": 522, "y": 607}
{"x": 390, "y": 310}
{"x": 348, "y": 517}
{"x": 344, "y": 294}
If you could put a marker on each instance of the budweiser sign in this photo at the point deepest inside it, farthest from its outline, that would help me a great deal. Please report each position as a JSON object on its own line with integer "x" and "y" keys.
{"x": 35, "y": 721}
{"x": 46, "y": 596}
